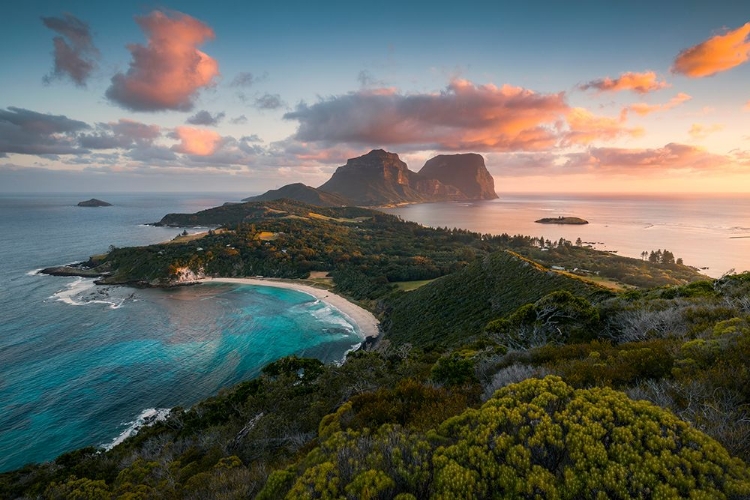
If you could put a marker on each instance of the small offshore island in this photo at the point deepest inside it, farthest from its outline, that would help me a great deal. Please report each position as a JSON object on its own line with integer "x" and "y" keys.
{"x": 507, "y": 364}
{"x": 93, "y": 202}
{"x": 562, "y": 220}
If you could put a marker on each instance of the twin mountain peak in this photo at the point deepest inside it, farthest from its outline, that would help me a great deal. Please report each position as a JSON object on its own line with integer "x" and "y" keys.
{"x": 381, "y": 178}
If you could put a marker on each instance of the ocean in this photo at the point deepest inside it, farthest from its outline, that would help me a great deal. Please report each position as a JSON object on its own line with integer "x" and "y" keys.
{"x": 707, "y": 231}
{"x": 84, "y": 365}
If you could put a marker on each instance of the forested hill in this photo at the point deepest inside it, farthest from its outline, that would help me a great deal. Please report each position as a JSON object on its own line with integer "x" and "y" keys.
{"x": 457, "y": 307}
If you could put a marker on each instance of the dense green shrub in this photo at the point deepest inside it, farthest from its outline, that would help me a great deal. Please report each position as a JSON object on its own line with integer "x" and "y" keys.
{"x": 536, "y": 439}
{"x": 559, "y": 317}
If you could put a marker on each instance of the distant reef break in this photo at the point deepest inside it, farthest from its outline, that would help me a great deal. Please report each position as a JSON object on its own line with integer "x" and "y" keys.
{"x": 382, "y": 178}
{"x": 562, "y": 220}
{"x": 93, "y": 202}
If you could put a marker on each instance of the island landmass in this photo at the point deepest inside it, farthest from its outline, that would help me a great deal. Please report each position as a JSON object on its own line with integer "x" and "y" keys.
{"x": 474, "y": 328}
{"x": 380, "y": 178}
{"x": 562, "y": 220}
{"x": 93, "y": 202}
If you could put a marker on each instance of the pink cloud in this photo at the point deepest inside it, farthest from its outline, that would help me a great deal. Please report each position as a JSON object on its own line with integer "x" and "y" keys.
{"x": 698, "y": 131}
{"x": 746, "y": 107}
{"x": 464, "y": 116}
{"x": 585, "y": 127}
{"x": 168, "y": 73}
{"x": 643, "y": 109}
{"x": 672, "y": 156}
{"x": 195, "y": 141}
{"x": 717, "y": 54}
{"x": 640, "y": 83}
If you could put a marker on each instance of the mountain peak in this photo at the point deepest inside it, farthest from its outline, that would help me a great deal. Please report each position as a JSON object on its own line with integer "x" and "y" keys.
{"x": 382, "y": 178}
{"x": 465, "y": 171}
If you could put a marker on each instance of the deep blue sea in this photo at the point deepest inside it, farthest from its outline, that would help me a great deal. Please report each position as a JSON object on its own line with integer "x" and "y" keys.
{"x": 82, "y": 365}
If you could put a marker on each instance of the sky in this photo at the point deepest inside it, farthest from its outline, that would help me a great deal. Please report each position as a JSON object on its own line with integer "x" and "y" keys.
{"x": 594, "y": 97}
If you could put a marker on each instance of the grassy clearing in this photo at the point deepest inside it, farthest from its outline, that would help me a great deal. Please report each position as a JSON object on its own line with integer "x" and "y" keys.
{"x": 313, "y": 215}
{"x": 408, "y": 286}
{"x": 267, "y": 236}
{"x": 608, "y": 283}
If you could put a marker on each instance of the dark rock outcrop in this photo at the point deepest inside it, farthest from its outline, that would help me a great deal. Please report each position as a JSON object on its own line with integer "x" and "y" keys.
{"x": 93, "y": 202}
{"x": 381, "y": 178}
{"x": 303, "y": 193}
{"x": 466, "y": 172}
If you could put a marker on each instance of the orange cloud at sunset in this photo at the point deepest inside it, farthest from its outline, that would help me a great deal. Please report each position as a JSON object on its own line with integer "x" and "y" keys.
{"x": 643, "y": 109}
{"x": 718, "y": 53}
{"x": 585, "y": 127}
{"x": 746, "y": 107}
{"x": 465, "y": 116}
{"x": 640, "y": 83}
{"x": 168, "y": 72}
{"x": 698, "y": 131}
{"x": 672, "y": 156}
{"x": 195, "y": 141}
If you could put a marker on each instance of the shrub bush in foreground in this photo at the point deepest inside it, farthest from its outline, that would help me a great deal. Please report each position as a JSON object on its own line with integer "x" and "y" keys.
{"x": 536, "y": 439}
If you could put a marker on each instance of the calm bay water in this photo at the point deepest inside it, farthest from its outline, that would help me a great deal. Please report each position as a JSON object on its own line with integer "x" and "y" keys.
{"x": 82, "y": 365}
{"x": 706, "y": 231}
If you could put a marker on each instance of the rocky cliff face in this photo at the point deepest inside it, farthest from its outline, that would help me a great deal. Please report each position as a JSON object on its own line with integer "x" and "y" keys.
{"x": 466, "y": 172}
{"x": 377, "y": 178}
{"x": 381, "y": 178}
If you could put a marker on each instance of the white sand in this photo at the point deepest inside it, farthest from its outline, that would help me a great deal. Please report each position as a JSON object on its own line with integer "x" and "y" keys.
{"x": 364, "y": 319}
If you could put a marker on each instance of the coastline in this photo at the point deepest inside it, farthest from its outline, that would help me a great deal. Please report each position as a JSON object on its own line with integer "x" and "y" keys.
{"x": 362, "y": 318}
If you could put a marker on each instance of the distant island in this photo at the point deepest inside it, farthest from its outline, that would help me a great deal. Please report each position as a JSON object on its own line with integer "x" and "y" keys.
{"x": 380, "y": 178}
{"x": 562, "y": 220}
{"x": 93, "y": 202}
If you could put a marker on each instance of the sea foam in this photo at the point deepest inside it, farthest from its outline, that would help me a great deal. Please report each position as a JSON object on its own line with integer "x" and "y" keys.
{"x": 75, "y": 294}
{"x": 147, "y": 417}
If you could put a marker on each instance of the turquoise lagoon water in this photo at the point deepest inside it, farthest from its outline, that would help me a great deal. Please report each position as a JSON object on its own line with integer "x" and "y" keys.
{"x": 83, "y": 365}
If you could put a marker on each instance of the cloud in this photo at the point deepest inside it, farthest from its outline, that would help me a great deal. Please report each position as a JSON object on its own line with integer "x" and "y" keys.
{"x": 698, "y": 131}
{"x": 269, "y": 101}
{"x": 464, "y": 116}
{"x": 123, "y": 134}
{"x": 153, "y": 153}
{"x": 168, "y": 73}
{"x": 205, "y": 118}
{"x": 717, "y": 54}
{"x": 643, "y": 109}
{"x": 243, "y": 80}
{"x": 238, "y": 120}
{"x": 640, "y": 83}
{"x": 75, "y": 53}
{"x": 27, "y": 132}
{"x": 673, "y": 156}
{"x": 367, "y": 79}
{"x": 585, "y": 128}
{"x": 746, "y": 107}
{"x": 195, "y": 141}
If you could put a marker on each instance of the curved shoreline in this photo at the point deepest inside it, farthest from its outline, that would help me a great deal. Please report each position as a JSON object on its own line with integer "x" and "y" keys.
{"x": 362, "y": 318}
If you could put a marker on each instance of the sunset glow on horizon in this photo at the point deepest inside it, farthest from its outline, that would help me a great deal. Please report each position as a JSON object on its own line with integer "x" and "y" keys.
{"x": 557, "y": 98}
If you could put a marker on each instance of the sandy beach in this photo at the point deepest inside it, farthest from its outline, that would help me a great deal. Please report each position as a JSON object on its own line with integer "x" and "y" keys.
{"x": 364, "y": 319}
